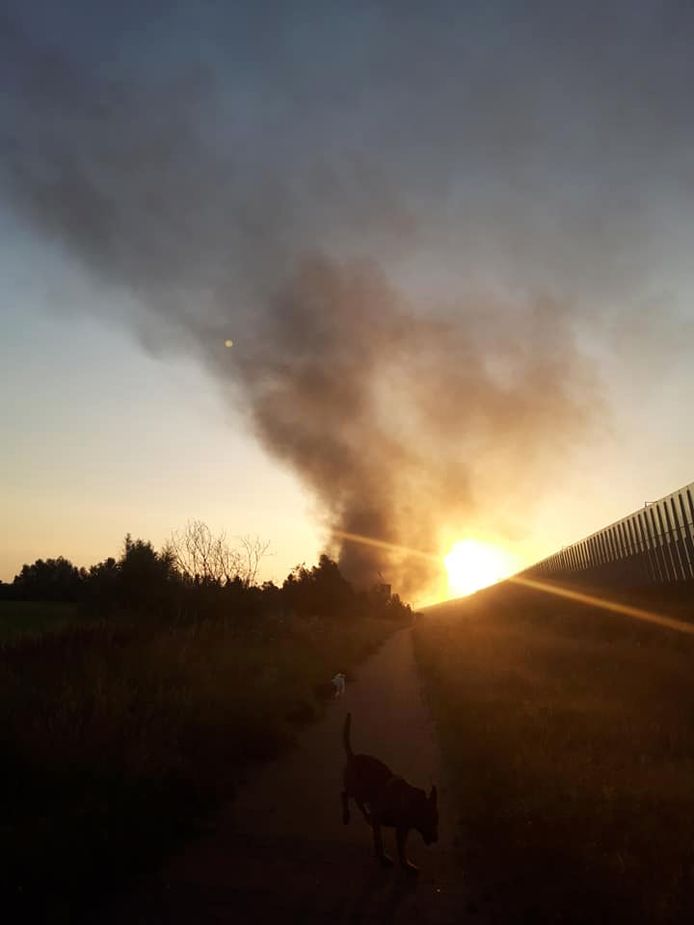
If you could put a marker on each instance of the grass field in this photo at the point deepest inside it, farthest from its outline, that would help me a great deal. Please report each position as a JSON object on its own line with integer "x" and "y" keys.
{"x": 119, "y": 741}
{"x": 569, "y": 735}
{"x": 31, "y": 618}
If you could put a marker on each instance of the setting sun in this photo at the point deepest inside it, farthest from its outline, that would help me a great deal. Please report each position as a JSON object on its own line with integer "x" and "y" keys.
{"x": 472, "y": 565}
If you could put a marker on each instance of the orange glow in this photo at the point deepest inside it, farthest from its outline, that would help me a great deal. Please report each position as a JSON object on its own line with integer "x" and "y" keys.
{"x": 472, "y": 565}
{"x": 638, "y": 613}
{"x": 382, "y": 544}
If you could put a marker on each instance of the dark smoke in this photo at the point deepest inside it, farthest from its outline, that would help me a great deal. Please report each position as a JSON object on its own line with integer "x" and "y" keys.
{"x": 399, "y": 413}
{"x": 388, "y": 413}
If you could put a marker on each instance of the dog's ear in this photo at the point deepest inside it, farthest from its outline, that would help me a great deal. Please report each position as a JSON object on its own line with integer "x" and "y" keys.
{"x": 433, "y": 795}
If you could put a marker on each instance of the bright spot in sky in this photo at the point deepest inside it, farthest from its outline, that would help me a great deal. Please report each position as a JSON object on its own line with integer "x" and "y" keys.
{"x": 228, "y": 343}
{"x": 472, "y": 565}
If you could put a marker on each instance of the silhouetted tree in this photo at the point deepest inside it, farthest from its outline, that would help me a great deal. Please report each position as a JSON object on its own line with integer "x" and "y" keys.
{"x": 394, "y": 608}
{"x": 198, "y": 576}
{"x": 102, "y": 585}
{"x": 146, "y": 579}
{"x": 252, "y": 550}
{"x": 50, "y": 580}
{"x": 203, "y": 558}
{"x": 8, "y": 591}
{"x": 321, "y": 590}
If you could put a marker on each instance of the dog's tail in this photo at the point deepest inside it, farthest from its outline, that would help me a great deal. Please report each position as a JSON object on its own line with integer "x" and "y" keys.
{"x": 345, "y": 735}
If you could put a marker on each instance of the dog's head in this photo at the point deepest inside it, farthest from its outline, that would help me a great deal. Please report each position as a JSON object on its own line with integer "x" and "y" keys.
{"x": 426, "y": 816}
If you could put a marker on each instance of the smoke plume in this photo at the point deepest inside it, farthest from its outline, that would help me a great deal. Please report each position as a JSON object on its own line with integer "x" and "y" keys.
{"x": 401, "y": 393}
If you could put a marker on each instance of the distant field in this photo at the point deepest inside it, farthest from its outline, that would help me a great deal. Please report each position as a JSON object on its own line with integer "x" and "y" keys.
{"x": 569, "y": 734}
{"x": 26, "y": 618}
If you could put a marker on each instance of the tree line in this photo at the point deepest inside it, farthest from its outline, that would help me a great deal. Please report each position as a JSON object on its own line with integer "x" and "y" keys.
{"x": 197, "y": 575}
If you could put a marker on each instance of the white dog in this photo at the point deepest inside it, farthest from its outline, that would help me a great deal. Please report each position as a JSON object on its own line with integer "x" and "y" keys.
{"x": 339, "y": 684}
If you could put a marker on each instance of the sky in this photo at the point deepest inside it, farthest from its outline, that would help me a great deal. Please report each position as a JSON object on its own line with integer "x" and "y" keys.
{"x": 450, "y": 242}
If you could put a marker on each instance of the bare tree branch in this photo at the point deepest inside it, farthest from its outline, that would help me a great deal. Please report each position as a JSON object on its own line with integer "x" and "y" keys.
{"x": 202, "y": 557}
{"x": 253, "y": 551}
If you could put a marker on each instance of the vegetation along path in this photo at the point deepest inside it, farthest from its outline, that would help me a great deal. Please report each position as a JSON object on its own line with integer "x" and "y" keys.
{"x": 281, "y": 852}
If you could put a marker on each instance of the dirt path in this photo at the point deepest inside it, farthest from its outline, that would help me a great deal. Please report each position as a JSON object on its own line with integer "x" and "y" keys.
{"x": 281, "y": 853}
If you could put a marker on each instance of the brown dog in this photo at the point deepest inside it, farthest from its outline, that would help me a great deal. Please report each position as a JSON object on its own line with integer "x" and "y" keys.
{"x": 387, "y": 800}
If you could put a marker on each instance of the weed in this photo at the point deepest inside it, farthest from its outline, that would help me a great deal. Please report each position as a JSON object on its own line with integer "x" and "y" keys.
{"x": 569, "y": 735}
{"x": 118, "y": 739}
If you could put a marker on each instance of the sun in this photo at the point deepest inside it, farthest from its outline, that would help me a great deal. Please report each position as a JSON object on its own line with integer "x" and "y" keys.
{"x": 472, "y": 564}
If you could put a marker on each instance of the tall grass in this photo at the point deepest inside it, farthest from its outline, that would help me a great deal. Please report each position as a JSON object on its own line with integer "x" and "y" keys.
{"x": 30, "y": 618}
{"x": 117, "y": 741}
{"x": 569, "y": 735}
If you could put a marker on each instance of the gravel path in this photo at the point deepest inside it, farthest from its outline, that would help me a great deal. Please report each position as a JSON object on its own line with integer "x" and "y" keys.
{"x": 280, "y": 852}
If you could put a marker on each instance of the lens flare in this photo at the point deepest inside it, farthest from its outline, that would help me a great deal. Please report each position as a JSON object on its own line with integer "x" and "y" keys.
{"x": 592, "y": 600}
{"x": 472, "y": 565}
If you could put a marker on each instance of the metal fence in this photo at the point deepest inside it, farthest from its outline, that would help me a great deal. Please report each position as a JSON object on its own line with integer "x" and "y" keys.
{"x": 652, "y": 546}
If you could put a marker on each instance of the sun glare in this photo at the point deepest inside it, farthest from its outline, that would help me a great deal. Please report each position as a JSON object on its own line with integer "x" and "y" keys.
{"x": 472, "y": 565}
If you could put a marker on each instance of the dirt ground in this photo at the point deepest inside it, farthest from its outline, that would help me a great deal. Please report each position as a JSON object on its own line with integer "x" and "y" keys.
{"x": 280, "y": 852}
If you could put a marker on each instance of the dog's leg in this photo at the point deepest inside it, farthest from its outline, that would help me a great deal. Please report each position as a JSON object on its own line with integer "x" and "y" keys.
{"x": 345, "y": 807}
{"x": 402, "y": 854}
{"x": 378, "y": 845}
